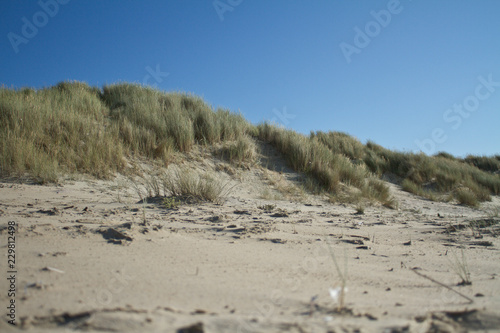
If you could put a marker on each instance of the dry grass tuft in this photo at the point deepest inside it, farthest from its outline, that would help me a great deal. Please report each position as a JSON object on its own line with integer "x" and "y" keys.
{"x": 242, "y": 152}
{"x": 181, "y": 183}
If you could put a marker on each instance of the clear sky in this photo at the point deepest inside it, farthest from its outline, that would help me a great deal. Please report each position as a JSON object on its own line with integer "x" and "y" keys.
{"x": 410, "y": 75}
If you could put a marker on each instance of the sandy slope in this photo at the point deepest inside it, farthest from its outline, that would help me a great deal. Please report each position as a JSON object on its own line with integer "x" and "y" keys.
{"x": 86, "y": 261}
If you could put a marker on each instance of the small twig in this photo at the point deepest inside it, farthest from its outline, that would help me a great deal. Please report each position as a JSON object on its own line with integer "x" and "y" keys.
{"x": 442, "y": 285}
{"x": 54, "y": 269}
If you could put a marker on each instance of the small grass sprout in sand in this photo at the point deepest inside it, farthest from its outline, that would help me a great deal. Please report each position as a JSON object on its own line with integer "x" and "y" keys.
{"x": 338, "y": 294}
{"x": 144, "y": 220}
{"x": 461, "y": 268}
{"x": 137, "y": 188}
{"x": 360, "y": 209}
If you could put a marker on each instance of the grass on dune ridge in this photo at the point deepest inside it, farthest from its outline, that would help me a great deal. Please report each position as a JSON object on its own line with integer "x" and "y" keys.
{"x": 75, "y": 128}
{"x": 72, "y": 127}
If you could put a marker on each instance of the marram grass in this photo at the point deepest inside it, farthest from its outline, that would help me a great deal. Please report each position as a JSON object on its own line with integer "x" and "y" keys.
{"x": 75, "y": 128}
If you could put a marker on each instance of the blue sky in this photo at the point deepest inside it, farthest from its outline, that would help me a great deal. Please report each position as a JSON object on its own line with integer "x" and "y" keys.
{"x": 410, "y": 75}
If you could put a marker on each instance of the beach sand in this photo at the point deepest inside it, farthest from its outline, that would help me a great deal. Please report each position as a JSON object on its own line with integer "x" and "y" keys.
{"x": 90, "y": 257}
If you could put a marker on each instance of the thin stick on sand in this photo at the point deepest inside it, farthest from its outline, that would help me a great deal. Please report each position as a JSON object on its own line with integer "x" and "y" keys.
{"x": 442, "y": 285}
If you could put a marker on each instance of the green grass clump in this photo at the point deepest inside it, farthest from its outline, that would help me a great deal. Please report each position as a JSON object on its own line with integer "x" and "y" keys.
{"x": 444, "y": 154}
{"x": 62, "y": 128}
{"x": 72, "y": 127}
{"x": 376, "y": 189}
{"x": 466, "y": 197}
{"x": 148, "y": 119}
{"x": 485, "y": 163}
{"x": 327, "y": 167}
{"x": 342, "y": 143}
{"x": 434, "y": 176}
{"x": 171, "y": 203}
